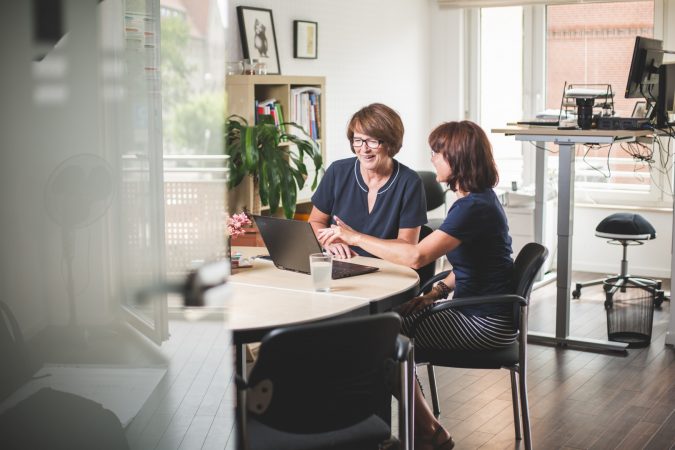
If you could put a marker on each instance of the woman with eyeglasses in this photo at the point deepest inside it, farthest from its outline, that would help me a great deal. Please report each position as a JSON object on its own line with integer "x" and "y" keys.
{"x": 475, "y": 238}
{"x": 373, "y": 192}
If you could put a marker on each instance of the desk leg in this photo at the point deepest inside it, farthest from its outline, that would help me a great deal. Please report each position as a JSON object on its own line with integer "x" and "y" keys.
{"x": 540, "y": 176}
{"x": 565, "y": 231}
{"x": 564, "y": 269}
{"x": 540, "y": 193}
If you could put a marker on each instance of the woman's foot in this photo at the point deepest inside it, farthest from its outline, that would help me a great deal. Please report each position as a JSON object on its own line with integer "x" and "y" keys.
{"x": 439, "y": 440}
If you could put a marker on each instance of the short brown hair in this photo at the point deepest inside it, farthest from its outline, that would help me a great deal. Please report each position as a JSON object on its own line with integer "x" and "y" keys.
{"x": 465, "y": 146}
{"x": 380, "y": 122}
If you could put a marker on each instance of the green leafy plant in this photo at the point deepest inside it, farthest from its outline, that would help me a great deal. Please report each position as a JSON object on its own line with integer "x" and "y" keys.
{"x": 274, "y": 157}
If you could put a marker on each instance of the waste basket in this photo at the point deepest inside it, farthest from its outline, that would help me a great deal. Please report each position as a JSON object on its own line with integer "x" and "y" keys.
{"x": 630, "y": 315}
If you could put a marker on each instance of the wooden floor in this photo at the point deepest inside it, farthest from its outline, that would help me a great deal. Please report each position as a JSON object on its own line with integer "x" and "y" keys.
{"x": 193, "y": 407}
{"x": 577, "y": 399}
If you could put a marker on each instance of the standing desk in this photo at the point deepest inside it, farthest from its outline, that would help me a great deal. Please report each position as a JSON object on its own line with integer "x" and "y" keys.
{"x": 566, "y": 141}
{"x": 265, "y": 298}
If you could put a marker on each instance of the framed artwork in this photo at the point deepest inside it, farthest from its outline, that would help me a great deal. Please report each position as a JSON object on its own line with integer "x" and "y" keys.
{"x": 258, "y": 38}
{"x": 305, "y": 35}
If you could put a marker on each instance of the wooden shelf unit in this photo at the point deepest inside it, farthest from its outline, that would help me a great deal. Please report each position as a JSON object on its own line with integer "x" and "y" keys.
{"x": 242, "y": 93}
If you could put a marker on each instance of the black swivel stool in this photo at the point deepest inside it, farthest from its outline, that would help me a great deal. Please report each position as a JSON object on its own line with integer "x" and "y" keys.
{"x": 624, "y": 229}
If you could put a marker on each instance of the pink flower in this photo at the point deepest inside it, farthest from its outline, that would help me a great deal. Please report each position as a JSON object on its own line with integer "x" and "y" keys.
{"x": 236, "y": 223}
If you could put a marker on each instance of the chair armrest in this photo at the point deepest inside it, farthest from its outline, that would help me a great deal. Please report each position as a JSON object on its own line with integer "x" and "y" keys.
{"x": 438, "y": 277}
{"x": 403, "y": 346}
{"x": 468, "y": 301}
{"x": 241, "y": 413}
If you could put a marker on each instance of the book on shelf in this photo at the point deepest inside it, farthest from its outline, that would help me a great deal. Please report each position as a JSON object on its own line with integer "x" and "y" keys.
{"x": 272, "y": 108}
{"x": 305, "y": 107}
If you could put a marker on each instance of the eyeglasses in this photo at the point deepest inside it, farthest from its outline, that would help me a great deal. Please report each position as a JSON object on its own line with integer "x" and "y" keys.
{"x": 370, "y": 143}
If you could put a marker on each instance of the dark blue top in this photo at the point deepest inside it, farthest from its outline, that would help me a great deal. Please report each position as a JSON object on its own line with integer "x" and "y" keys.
{"x": 400, "y": 202}
{"x": 482, "y": 262}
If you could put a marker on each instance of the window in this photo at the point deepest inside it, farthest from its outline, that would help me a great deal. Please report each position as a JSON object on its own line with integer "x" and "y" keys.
{"x": 501, "y": 82}
{"x": 576, "y": 43}
{"x": 593, "y": 44}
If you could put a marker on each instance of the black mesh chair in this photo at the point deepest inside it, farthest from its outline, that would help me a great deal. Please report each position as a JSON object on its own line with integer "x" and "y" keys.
{"x": 426, "y": 272}
{"x": 435, "y": 195}
{"x": 514, "y": 358}
{"x": 328, "y": 385}
{"x": 624, "y": 229}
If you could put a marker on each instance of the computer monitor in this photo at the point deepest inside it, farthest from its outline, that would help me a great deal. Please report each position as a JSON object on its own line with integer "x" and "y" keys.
{"x": 643, "y": 76}
{"x": 665, "y": 101}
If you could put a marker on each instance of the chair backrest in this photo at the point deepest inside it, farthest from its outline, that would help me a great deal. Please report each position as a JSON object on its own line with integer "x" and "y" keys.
{"x": 325, "y": 376}
{"x": 426, "y": 272}
{"x": 529, "y": 261}
{"x": 434, "y": 192}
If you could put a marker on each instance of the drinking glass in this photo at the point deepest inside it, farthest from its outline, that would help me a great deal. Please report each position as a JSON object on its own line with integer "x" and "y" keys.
{"x": 321, "y": 266}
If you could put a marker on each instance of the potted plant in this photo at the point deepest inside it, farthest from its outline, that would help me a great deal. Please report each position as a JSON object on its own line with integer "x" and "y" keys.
{"x": 273, "y": 156}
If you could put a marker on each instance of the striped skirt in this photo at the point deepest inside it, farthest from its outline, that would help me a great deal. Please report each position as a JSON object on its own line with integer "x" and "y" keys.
{"x": 453, "y": 330}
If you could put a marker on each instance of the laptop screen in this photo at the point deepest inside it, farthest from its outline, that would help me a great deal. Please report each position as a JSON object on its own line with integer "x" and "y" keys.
{"x": 289, "y": 242}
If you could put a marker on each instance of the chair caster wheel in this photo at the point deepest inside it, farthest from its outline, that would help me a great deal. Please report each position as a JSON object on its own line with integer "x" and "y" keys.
{"x": 576, "y": 294}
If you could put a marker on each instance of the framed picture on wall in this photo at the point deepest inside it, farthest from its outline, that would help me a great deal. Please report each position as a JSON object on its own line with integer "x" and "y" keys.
{"x": 305, "y": 35}
{"x": 258, "y": 38}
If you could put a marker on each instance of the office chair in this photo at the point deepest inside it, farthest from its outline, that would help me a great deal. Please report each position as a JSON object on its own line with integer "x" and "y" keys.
{"x": 427, "y": 272}
{"x": 328, "y": 385}
{"x": 514, "y": 358}
{"x": 435, "y": 197}
{"x": 434, "y": 193}
{"x": 624, "y": 229}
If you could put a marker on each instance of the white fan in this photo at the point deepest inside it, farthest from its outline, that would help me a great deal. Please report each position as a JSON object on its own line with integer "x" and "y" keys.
{"x": 78, "y": 193}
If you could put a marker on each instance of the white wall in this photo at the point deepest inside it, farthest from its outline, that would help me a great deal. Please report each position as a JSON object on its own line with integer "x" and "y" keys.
{"x": 446, "y": 68}
{"x": 369, "y": 51}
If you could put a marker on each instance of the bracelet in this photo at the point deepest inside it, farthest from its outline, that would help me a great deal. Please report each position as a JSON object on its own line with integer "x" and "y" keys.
{"x": 444, "y": 290}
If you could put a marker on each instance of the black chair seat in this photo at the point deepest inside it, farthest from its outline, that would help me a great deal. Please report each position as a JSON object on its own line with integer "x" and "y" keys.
{"x": 470, "y": 359}
{"x": 364, "y": 435}
{"x": 628, "y": 226}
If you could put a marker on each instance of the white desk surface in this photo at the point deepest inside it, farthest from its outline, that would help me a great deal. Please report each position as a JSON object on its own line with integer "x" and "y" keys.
{"x": 266, "y": 297}
{"x": 554, "y": 131}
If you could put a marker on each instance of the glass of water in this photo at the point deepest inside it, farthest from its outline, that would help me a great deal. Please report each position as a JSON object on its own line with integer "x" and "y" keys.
{"x": 321, "y": 266}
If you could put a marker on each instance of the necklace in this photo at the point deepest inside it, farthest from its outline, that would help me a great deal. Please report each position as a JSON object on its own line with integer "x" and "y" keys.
{"x": 398, "y": 166}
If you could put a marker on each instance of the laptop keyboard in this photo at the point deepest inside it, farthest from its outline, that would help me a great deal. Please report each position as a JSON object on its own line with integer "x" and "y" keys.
{"x": 343, "y": 269}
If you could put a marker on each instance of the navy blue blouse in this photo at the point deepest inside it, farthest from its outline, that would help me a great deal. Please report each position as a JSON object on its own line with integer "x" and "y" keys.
{"x": 400, "y": 202}
{"x": 482, "y": 262}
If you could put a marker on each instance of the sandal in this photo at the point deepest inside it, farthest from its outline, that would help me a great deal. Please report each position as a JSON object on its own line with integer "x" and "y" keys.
{"x": 439, "y": 434}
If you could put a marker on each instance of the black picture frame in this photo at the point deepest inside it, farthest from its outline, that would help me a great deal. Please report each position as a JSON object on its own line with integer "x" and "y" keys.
{"x": 258, "y": 37}
{"x": 305, "y": 39}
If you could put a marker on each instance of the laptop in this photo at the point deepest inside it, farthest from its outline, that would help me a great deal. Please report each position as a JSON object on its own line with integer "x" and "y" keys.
{"x": 290, "y": 242}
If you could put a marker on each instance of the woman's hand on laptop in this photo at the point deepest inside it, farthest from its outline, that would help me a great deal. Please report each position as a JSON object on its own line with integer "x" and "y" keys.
{"x": 340, "y": 250}
{"x": 338, "y": 233}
